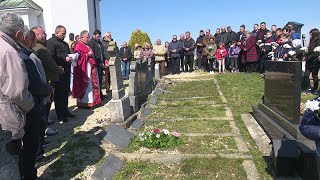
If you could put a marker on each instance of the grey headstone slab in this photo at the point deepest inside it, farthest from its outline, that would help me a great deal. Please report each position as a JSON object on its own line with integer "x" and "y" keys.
{"x": 146, "y": 111}
{"x": 153, "y": 100}
{"x": 137, "y": 124}
{"x": 118, "y": 136}
{"x": 108, "y": 168}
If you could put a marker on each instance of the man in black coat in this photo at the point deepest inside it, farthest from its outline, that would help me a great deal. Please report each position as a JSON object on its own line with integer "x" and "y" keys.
{"x": 59, "y": 51}
{"x": 189, "y": 46}
{"x": 96, "y": 46}
{"x": 200, "y": 46}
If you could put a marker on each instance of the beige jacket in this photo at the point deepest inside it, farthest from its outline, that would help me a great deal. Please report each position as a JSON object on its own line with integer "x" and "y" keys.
{"x": 15, "y": 99}
{"x": 159, "y": 52}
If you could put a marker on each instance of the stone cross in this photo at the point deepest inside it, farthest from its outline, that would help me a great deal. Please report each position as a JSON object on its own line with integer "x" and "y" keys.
{"x": 120, "y": 104}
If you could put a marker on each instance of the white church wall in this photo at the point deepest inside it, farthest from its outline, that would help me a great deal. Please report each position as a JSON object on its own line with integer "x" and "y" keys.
{"x": 73, "y": 14}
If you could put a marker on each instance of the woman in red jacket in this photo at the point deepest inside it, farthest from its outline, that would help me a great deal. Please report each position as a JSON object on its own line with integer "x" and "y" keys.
{"x": 249, "y": 52}
{"x": 220, "y": 56}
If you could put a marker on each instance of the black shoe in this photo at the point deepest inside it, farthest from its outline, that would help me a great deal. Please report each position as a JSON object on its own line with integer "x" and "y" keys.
{"x": 69, "y": 115}
{"x": 39, "y": 157}
{"x": 64, "y": 120}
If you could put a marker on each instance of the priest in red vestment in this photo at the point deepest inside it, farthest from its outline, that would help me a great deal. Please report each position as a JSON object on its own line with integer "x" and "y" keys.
{"x": 85, "y": 75}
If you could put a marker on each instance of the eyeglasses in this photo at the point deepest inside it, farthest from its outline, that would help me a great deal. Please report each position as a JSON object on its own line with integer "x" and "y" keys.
{"x": 174, "y": 38}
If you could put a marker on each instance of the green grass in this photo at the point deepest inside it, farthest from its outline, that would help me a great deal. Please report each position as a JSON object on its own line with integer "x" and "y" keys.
{"x": 192, "y": 126}
{"x": 194, "y": 168}
{"x": 305, "y": 97}
{"x": 196, "y": 111}
{"x": 242, "y": 92}
{"x": 186, "y": 102}
{"x": 194, "y": 145}
{"x": 192, "y": 89}
{"x": 207, "y": 145}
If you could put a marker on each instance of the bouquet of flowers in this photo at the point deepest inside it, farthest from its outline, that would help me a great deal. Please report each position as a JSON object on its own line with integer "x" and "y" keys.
{"x": 310, "y": 123}
{"x": 274, "y": 45}
{"x": 292, "y": 55}
{"x": 159, "y": 138}
{"x": 271, "y": 55}
{"x": 317, "y": 49}
{"x": 313, "y": 105}
{"x": 287, "y": 46}
{"x": 304, "y": 50}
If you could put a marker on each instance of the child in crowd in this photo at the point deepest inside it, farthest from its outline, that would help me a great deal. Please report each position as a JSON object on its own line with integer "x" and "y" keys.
{"x": 281, "y": 53}
{"x": 266, "y": 48}
{"x": 221, "y": 56}
{"x": 234, "y": 52}
{"x": 211, "y": 50}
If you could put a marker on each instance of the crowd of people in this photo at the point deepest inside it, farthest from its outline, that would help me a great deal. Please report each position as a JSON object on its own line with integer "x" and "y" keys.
{"x": 36, "y": 72}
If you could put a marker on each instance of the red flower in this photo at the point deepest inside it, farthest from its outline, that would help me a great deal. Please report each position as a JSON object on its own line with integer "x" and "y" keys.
{"x": 156, "y": 130}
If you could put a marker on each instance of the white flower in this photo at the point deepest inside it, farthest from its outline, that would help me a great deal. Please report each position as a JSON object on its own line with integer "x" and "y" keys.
{"x": 305, "y": 49}
{"x": 291, "y": 53}
{"x": 158, "y": 136}
{"x": 271, "y": 54}
{"x": 141, "y": 134}
{"x": 312, "y": 105}
{"x": 317, "y": 49}
{"x": 166, "y": 131}
{"x": 287, "y": 46}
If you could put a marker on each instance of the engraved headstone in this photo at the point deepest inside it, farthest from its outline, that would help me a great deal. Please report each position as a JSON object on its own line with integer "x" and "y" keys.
{"x": 108, "y": 168}
{"x": 118, "y": 136}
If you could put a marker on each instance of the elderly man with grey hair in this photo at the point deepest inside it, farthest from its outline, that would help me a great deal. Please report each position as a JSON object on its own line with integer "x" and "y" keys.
{"x": 15, "y": 99}
{"x": 39, "y": 89}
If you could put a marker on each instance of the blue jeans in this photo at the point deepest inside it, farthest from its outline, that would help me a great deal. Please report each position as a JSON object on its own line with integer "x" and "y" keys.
{"x": 125, "y": 66}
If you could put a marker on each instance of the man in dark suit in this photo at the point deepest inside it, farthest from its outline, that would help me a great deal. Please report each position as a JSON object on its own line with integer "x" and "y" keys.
{"x": 96, "y": 46}
{"x": 125, "y": 56}
{"x": 59, "y": 51}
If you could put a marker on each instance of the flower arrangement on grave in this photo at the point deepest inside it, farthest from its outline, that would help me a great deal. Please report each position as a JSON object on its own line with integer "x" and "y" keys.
{"x": 159, "y": 139}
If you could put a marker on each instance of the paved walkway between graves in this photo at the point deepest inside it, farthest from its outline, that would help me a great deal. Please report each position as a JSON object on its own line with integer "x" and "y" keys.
{"x": 174, "y": 157}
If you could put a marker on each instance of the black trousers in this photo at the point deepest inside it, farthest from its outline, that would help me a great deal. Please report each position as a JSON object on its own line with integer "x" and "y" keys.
{"x": 61, "y": 95}
{"x": 188, "y": 62}
{"x": 314, "y": 71}
{"x": 234, "y": 63}
{"x": 199, "y": 60}
{"x": 175, "y": 62}
{"x": 211, "y": 63}
{"x": 100, "y": 75}
{"x": 31, "y": 143}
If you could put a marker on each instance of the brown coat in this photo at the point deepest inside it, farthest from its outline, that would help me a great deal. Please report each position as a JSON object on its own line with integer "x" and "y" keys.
{"x": 50, "y": 67}
{"x": 15, "y": 99}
